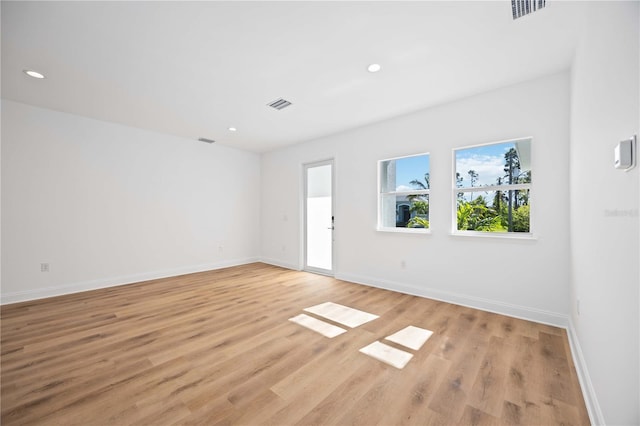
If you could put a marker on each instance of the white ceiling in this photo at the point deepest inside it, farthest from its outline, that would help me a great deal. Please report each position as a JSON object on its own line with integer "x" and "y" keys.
{"x": 194, "y": 69}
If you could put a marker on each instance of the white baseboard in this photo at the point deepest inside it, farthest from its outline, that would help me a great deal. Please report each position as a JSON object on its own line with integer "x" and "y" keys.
{"x": 275, "y": 262}
{"x": 588, "y": 392}
{"x": 41, "y": 293}
{"x": 522, "y": 312}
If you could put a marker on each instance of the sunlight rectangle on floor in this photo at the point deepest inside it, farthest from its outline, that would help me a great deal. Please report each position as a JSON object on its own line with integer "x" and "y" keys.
{"x": 387, "y": 354}
{"x": 410, "y": 337}
{"x": 341, "y": 314}
{"x": 324, "y": 328}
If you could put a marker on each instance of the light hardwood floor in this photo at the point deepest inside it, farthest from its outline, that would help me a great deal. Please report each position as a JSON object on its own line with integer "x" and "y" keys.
{"x": 217, "y": 348}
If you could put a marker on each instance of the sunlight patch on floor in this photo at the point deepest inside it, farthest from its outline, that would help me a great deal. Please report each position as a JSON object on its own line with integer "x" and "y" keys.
{"x": 324, "y": 328}
{"x": 387, "y": 354}
{"x": 410, "y": 337}
{"x": 344, "y": 315}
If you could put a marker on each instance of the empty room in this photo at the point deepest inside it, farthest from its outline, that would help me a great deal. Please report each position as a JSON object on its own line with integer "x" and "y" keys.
{"x": 320, "y": 213}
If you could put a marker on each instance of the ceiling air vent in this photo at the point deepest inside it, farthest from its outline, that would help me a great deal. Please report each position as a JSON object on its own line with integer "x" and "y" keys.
{"x": 279, "y": 104}
{"x": 519, "y": 8}
{"x": 206, "y": 140}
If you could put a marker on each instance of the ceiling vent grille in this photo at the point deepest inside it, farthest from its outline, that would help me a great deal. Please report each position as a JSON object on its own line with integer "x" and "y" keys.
{"x": 279, "y": 104}
{"x": 519, "y": 8}
{"x": 206, "y": 140}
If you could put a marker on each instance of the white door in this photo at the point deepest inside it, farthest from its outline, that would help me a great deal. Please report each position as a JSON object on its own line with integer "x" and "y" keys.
{"x": 318, "y": 215}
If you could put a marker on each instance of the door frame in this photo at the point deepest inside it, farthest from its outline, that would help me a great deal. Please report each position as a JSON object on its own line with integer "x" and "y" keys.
{"x": 305, "y": 167}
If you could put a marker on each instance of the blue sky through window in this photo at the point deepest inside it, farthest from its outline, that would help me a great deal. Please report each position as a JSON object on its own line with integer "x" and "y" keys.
{"x": 487, "y": 161}
{"x": 410, "y": 168}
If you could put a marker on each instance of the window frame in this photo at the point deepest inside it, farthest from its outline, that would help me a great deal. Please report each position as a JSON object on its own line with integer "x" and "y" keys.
{"x": 503, "y": 188}
{"x": 381, "y": 194}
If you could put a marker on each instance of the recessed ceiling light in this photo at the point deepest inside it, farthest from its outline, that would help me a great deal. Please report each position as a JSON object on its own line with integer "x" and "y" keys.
{"x": 374, "y": 68}
{"x": 34, "y": 74}
{"x": 232, "y": 129}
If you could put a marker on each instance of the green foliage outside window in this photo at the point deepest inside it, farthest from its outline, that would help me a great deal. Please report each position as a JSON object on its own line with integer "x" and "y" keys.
{"x": 506, "y": 210}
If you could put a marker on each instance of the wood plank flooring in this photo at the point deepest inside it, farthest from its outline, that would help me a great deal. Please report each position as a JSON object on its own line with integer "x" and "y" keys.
{"x": 216, "y": 348}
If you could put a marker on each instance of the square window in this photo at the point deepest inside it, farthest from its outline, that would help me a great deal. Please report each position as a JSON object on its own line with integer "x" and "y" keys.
{"x": 492, "y": 188}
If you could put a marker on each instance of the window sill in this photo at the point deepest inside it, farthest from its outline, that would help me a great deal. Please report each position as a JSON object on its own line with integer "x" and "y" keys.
{"x": 419, "y": 231}
{"x": 502, "y": 235}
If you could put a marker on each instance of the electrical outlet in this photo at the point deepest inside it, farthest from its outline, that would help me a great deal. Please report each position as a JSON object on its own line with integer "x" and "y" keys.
{"x": 44, "y": 267}
{"x": 578, "y": 306}
{"x": 403, "y": 264}
{"x": 284, "y": 248}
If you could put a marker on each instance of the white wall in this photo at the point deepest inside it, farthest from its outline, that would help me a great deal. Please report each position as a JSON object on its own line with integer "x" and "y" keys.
{"x": 521, "y": 277}
{"x": 107, "y": 204}
{"x": 604, "y": 210}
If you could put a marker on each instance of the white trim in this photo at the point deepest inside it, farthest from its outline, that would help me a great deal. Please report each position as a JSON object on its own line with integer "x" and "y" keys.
{"x": 478, "y": 145}
{"x": 516, "y": 311}
{"x": 416, "y": 192}
{"x": 381, "y": 193}
{"x": 319, "y": 271}
{"x": 415, "y": 231}
{"x": 486, "y": 234}
{"x": 275, "y": 262}
{"x": 23, "y": 296}
{"x": 305, "y": 183}
{"x": 455, "y": 190}
{"x": 406, "y": 156}
{"x": 494, "y": 188}
{"x": 588, "y": 392}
